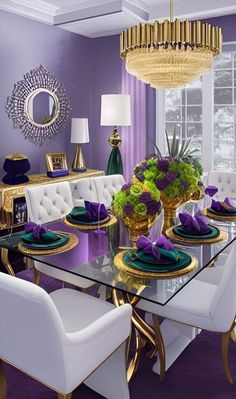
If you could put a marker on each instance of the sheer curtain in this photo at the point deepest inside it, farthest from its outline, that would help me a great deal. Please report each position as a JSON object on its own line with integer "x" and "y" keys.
{"x": 133, "y": 146}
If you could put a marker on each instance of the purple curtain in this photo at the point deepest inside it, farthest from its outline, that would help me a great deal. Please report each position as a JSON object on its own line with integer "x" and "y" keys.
{"x": 133, "y": 146}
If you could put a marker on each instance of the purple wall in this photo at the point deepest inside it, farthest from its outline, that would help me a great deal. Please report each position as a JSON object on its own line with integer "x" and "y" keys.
{"x": 25, "y": 44}
{"x": 105, "y": 79}
{"x": 87, "y": 68}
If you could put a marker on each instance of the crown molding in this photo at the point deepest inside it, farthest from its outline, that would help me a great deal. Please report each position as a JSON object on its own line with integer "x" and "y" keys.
{"x": 38, "y": 10}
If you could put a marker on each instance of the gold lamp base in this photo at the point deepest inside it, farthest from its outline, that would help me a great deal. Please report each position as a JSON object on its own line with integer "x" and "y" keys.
{"x": 79, "y": 164}
{"x": 115, "y": 139}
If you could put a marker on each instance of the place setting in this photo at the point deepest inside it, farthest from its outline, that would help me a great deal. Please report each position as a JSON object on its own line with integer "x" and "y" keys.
{"x": 159, "y": 259}
{"x": 223, "y": 211}
{"x": 89, "y": 216}
{"x": 39, "y": 240}
{"x": 196, "y": 230}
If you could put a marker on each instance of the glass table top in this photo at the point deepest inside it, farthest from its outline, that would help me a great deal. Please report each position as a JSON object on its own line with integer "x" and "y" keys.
{"x": 93, "y": 258}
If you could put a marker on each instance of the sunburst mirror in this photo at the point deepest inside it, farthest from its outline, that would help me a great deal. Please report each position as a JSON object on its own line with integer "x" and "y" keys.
{"x": 39, "y": 105}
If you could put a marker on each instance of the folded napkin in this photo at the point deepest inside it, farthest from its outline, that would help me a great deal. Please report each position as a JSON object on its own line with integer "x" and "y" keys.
{"x": 211, "y": 190}
{"x": 162, "y": 247}
{"x": 90, "y": 212}
{"x": 223, "y": 206}
{"x": 197, "y": 224}
{"x": 36, "y": 232}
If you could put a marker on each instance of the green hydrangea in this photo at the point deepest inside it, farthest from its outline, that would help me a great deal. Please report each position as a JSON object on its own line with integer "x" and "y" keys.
{"x": 140, "y": 209}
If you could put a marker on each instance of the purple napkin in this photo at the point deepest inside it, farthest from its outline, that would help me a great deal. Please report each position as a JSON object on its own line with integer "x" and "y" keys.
{"x": 225, "y": 206}
{"x": 36, "y": 229}
{"x": 211, "y": 190}
{"x": 194, "y": 225}
{"x": 95, "y": 211}
{"x": 152, "y": 248}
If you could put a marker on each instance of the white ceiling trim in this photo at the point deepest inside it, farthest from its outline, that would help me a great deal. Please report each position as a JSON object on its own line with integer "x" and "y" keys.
{"x": 40, "y": 11}
{"x": 73, "y": 17}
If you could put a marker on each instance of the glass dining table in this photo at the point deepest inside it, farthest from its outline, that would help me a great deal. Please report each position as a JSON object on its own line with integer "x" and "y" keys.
{"x": 92, "y": 257}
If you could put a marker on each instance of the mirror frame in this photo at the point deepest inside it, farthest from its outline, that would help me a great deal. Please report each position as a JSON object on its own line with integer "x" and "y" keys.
{"x": 36, "y": 81}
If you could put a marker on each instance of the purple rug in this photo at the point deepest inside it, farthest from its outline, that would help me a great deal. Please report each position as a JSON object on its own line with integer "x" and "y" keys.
{"x": 197, "y": 373}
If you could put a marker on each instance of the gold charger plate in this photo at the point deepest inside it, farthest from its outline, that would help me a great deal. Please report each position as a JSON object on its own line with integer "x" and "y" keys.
{"x": 118, "y": 261}
{"x": 223, "y": 236}
{"x": 73, "y": 241}
{"x": 110, "y": 222}
{"x": 223, "y": 218}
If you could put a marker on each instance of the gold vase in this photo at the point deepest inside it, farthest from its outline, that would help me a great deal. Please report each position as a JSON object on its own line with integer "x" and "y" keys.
{"x": 139, "y": 225}
{"x": 170, "y": 206}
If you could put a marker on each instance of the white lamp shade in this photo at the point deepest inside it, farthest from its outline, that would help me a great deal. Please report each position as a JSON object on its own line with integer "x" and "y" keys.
{"x": 79, "y": 130}
{"x": 115, "y": 110}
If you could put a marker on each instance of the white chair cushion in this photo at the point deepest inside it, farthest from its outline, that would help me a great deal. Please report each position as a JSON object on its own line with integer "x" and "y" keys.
{"x": 226, "y": 183}
{"x": 189, "y": 306}
{"x": 107, "y": 186}
{"x": 83, "y": 189}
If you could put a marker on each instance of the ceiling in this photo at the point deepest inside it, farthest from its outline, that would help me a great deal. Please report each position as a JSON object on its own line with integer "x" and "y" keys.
{"x": 94, "y": 18}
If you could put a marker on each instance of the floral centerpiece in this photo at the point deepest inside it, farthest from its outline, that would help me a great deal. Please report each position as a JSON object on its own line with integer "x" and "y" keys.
{"x": 176, "y": 175}
{"x": 138, "y": 204}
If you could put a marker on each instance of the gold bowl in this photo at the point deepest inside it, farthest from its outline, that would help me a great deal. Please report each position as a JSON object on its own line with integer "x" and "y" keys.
{"x": 139, "y": 225}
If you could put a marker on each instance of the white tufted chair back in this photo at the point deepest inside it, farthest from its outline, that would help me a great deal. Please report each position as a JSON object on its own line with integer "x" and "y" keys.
{"x": 226, "y": 183}
{"x": 107, "y": 186}
{"x": 83, "y": 189}
{"x": 31, "y": 330}
{"x": 223, "y": 306}
{"x": 48, "y": 202}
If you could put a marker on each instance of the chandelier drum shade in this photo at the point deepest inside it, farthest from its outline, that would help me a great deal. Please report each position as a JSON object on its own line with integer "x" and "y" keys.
{"x": 170, "y": 54}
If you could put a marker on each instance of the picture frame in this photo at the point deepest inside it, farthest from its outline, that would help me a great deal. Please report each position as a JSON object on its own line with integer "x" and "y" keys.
{"x": 56, "y": 161}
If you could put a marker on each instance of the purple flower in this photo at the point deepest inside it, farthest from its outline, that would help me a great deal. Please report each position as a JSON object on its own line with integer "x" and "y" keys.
{"x": 128, "y": 209}
{"x": 140, "y": 176}
{"x": 185, "y": 185}
{"x": 163, "y": 164}
{"x": 153, "y": 207}
{"x": 145, "y": 197}
{"x": 144, "y": 166}
{"x": 126, "y": 186}
{"x": 171, "y": 176}
{"x": 162, "y": 184}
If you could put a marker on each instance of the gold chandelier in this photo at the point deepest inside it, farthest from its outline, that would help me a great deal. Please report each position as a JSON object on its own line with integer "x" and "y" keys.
{"x": 170, "y": 54}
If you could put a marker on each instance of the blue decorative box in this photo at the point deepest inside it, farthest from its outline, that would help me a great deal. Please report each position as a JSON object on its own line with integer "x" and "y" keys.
{"x": 16, "y": 165}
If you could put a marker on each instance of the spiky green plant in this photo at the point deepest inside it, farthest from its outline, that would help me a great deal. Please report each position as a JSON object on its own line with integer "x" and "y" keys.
{"x": 178, "y": 148}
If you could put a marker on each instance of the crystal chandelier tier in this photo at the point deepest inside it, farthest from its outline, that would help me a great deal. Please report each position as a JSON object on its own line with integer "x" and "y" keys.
{"x": 170, "y": 54}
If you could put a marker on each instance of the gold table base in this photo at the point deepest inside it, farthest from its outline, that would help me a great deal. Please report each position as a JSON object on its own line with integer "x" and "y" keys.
{"x": 223, "y": 236}
{"x": 144, "y": 335}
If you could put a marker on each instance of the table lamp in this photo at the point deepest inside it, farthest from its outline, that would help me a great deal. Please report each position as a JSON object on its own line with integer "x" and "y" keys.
{"x": 115, "y": 111}
{"x": 79, "y": 135}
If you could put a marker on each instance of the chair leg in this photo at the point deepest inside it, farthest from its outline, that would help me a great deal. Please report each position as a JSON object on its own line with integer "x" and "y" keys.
{"x": 36, "y": 276}
{"x": 3, "y": 382}
{"x": 64, "y": 396}
{"x": 224, "y": 353}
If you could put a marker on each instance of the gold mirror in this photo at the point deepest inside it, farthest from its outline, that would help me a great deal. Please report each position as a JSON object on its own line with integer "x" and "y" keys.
{"x": 39, "y": 105}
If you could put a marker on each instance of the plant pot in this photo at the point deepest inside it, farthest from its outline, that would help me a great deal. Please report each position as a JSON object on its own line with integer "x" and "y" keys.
{"x": 139, "y": 225}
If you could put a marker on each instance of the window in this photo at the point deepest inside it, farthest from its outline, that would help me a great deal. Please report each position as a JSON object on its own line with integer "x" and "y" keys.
{"x": 205, "y": 111}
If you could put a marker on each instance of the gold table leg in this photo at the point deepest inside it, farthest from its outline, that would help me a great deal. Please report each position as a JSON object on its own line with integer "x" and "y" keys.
{"x": 6, "y": 262}
{"x": 3, "y": 382}
{"x": 144, "y": 334}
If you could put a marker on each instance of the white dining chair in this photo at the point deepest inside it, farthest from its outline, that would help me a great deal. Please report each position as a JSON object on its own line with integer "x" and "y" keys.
{"x": 206, "y": 302}
{"x": 107, "y": 186}
{"x": 63, "y": 339}
{"x": 45, "y": 204}
{"x": 226, "y": 183}
{"x": 83, "y": 189}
